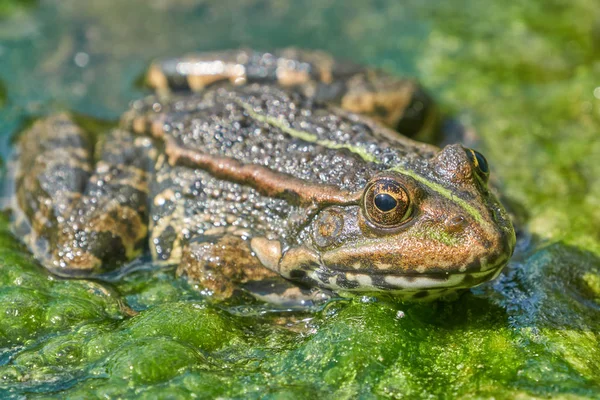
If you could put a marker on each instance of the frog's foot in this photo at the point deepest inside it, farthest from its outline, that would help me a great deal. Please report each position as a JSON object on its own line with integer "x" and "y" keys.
{"x": 223, "y": 264}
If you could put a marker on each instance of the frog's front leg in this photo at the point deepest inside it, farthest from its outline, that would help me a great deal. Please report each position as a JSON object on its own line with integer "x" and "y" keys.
{"x": 80, "y": 216}
{"x": 223, "y": 264}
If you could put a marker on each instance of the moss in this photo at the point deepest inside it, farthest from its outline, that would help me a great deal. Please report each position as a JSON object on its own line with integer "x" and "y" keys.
{"x": 152, "y": 361}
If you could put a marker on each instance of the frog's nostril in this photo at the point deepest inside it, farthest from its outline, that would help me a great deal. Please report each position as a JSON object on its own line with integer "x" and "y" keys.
{"x": 455, "y": 223}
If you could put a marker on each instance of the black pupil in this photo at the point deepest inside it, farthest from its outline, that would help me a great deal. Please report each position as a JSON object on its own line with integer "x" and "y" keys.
{"x": 482, "y": 162}
{"x": 385, "y": 202}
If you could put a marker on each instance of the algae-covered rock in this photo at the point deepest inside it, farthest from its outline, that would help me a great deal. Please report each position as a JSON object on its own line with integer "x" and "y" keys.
{"x": 522, "y": 75}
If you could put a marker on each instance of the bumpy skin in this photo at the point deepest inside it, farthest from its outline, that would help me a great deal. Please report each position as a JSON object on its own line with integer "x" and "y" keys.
{"x": 78, "y": 214}
{"x": 278, "y": 179}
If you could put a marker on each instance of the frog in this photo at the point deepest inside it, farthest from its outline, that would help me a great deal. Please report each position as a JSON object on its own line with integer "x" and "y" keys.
{"x": 289, "y": 175}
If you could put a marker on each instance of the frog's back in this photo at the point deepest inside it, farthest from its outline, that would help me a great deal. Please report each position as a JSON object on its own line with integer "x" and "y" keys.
{"x": 281, "y": 130}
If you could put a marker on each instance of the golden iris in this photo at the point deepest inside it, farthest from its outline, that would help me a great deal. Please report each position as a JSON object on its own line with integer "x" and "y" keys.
{"x": 386, "y": 202}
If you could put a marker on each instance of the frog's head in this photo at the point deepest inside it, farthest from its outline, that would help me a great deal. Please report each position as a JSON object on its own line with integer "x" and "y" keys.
{"x": 420, "y": 231}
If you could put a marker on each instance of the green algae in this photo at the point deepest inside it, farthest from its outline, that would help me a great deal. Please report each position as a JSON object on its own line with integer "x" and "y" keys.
{"x": 9, "y": 7}
{"x": 524, "y": 75}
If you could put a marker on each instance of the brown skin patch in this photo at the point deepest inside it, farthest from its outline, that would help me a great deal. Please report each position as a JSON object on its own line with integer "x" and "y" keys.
{"x": 291, "y": 77}
{"x": 378, "y": 95}
{"x": 222, "y": 265}
{"x": 387, "y": 108}
{"x": 262, "y": 179}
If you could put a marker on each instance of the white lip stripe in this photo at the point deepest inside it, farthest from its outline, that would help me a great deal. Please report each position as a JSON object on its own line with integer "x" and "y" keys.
{"x": 417, "y": 283}
{"x": 405, "y": 284}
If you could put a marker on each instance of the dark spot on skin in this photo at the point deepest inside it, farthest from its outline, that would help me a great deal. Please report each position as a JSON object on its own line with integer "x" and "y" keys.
{"x": 344, "y": 283}
{"x": 310, "y": 266}
{"x": 329, "y": 92}
{"x": 380, "y": 110}
{"x": 105, "y": 247}
{"x": 178, "y": 83}
{"x": 379, "y": 282}
{"x": 421, "y": 294}
{"x": 297, "y": 274}
{"x": 290, "y": 195}
{"x": 64, "y": 177}
{"x": 474, "y": 265}
{"x": 324, "y": 275}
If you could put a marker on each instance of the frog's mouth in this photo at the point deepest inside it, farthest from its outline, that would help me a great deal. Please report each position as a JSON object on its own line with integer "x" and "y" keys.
{"x": 349, "y": 273}
{"x": 363, "y": 282}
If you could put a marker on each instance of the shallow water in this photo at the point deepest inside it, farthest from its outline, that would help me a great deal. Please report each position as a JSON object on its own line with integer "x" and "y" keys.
{"x": 523, "y": 76}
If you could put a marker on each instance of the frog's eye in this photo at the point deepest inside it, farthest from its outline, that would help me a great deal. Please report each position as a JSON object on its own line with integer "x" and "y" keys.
{"x": 386, "y": 202}
{"x": 479, "y": 162}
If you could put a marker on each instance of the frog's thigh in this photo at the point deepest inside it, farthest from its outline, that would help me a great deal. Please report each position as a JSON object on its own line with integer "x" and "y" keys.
{"x": 195, "y": 71}
{"x": 400, "y": 103}
{"x": 54, "y": 164}
{"x": 89, "y": 223}
{"x": 287, "y": 67}
{"x": 108, "y": 225}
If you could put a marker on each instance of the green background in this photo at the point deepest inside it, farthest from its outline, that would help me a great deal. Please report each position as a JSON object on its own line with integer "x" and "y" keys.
{"x": 525, "y": 76}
